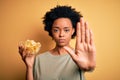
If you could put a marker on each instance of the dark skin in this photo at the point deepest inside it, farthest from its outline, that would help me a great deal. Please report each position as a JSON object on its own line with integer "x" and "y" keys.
{"x": 62, "y": 30}
{"x": 84, "y": 55}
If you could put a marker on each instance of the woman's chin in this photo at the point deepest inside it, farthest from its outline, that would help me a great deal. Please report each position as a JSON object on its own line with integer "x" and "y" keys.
{"x": 61, "y": 45}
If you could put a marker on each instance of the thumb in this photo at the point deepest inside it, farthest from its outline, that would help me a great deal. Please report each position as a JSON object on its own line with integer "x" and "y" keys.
{"x": 70, "y": 51}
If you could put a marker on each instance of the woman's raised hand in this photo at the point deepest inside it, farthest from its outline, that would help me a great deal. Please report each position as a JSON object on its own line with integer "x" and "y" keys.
{"x": 85, "y": 51}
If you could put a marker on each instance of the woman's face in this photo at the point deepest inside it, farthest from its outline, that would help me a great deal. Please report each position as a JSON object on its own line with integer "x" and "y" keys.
{"x": 62, "y": 31}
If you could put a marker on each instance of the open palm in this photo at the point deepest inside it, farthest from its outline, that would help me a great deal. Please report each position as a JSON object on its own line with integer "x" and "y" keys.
{"x": 84, "y": 55}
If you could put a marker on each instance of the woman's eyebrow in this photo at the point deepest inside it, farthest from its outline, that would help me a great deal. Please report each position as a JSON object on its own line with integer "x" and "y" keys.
{"x": 59, "y": 27}
{"x": 55, "y": 27}
{"x": 66, "y": 27}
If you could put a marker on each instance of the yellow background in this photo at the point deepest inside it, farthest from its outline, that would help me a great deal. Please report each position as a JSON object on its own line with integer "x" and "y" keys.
{"x": 22, "y": 19}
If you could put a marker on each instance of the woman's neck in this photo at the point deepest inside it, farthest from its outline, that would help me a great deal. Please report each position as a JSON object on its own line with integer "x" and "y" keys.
{"x": 59, "y": 50}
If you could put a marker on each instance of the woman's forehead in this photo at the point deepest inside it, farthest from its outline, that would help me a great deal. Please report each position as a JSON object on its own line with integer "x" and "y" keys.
{"x": 62, "y": 22}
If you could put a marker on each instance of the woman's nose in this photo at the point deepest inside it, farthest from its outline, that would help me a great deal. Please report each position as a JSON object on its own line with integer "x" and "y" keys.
{"x": 61, "y": 34}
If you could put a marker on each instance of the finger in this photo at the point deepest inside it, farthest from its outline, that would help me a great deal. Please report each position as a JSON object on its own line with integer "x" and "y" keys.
{"x": 21, "y": 45}
{"x": 21, "y": 48}
{"x": 25, "y": 54}
{"x": 29, "y": 54}
{"x": 78, "y": 33}
{"x": 87, "y": 35}
{"x": 82, "y": 29}
{"x": 70, "y": 51}
{"x": 91, "y": 37}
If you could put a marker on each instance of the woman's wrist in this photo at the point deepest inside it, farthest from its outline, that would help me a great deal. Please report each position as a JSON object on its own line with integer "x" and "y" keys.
{"x": 29, "y": 67}
{"x": 29, "y": 73}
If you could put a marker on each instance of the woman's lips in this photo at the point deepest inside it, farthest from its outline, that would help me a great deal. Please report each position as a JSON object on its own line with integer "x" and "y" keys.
{"x": 61, "y": 40}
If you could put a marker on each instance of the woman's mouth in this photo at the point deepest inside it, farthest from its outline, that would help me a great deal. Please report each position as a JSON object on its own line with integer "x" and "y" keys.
{"x": 61, "y": 40}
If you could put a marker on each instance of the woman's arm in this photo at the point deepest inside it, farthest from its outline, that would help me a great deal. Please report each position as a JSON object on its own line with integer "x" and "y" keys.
{"x": 29, "y": 74}
{"x": 28, "y": 60}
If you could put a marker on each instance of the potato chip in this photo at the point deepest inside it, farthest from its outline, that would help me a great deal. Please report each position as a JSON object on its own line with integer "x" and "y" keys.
{"x": 32, "y": 46}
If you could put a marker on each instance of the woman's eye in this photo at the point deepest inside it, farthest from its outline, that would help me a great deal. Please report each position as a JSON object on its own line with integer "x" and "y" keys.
{"x": 55, "y": 30}
{"x": 67, "y": 30}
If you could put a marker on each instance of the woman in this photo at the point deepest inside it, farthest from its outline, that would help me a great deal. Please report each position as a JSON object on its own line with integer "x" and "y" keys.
{"x": 63, "y": 62}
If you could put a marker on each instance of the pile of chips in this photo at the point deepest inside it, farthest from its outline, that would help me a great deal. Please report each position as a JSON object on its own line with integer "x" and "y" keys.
{"x": 32, "y": 46}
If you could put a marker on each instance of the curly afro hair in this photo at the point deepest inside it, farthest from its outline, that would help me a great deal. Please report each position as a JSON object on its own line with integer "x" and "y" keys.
{"x": 61, "y": 12}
